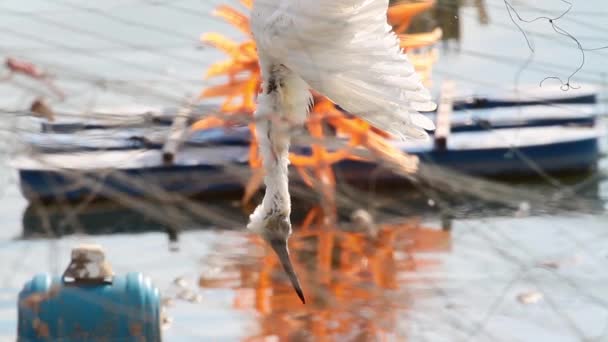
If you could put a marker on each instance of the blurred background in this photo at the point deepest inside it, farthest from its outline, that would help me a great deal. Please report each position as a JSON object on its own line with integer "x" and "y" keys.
{"x": 500, "y": 234}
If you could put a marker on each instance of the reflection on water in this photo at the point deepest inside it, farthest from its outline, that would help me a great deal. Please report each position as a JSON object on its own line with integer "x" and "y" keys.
{"x": 56, "y": 220}
{"x": 363, "y": 281}
{"x": 139, "y": 216}
{"x": 351, "y": 273}
{"x": 351, "y": 277}
{"x": 404, "y": 280}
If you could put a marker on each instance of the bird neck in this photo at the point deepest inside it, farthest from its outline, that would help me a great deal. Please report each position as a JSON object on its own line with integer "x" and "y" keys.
{"x": 274, "y": 148}
{"x": 274, "y": 143}
{"x": 283, "y": 104}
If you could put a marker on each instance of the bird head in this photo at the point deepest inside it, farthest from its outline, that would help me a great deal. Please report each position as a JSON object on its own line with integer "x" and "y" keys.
{"x": 276, "y": 230}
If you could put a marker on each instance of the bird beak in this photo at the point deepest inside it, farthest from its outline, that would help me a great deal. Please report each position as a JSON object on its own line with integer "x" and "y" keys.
{"x": 280, "y": 247}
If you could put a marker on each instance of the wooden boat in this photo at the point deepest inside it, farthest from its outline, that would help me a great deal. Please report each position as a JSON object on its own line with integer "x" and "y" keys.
{"x": 523, "y": 96}
{"x": 464, "y": 99}
{"x": 118, "y": 117}
{"x": 130, "y": 139}
{"x": 485, "y": 119}
{"x": 224, "y": 168}
{"x": 153, "y": 137}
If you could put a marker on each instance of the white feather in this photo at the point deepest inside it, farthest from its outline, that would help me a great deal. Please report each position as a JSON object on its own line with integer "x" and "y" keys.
{"x": 345, "y": 50}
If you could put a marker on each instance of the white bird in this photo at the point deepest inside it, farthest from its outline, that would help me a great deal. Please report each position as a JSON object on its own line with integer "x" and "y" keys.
{"x": 345, "y": 50}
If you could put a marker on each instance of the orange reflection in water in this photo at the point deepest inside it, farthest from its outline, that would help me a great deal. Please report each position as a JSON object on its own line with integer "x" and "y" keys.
{"x": 352, "y": 277}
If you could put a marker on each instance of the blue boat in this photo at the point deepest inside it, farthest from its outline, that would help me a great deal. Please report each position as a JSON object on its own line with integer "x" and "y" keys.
{"x": 130, "y": 139}
{"x": 153, "y": 137}
{"x": 523, "y": 116}
{"x": 527, "y": 95}
{"x": 554, "y": 105}
{"x": 216, "y": 169}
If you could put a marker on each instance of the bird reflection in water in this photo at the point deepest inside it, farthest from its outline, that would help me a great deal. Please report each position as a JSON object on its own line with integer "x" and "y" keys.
{"x": 354, "y": 277}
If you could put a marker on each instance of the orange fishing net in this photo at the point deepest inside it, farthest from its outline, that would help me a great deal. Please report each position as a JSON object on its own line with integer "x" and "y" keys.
{"x": 239, "y": 93}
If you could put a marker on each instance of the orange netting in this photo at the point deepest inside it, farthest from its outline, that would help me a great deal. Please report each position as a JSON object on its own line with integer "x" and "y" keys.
{"x": 240, "y": 91}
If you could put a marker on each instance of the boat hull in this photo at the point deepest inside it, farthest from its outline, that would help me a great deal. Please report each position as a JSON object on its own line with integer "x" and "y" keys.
{"x": 163, "y": 182}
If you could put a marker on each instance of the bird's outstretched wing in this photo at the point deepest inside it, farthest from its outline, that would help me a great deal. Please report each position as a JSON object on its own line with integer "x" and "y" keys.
{"x": 346, "y": 50}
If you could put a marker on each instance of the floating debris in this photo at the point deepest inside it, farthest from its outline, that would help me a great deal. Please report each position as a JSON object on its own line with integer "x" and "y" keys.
{"x": 190, "y": 296}
{"x": 183, "y": 291}
{"x": 531, "y": 297}
{"x": 364, "y": 221}
{"x": 25, "y": 68}
{"x": 560, "y": 263}
{"x": 362, "y": 217}
{"x": 180, "y": 282}
{"x": 166, "y": 321}
{"x": 524, "y": 210}
{"x": 22, "y": 67}
{"x": 167, "y": 302}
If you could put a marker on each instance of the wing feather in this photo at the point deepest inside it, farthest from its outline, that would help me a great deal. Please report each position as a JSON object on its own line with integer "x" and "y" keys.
{"x": 346, "y": 50}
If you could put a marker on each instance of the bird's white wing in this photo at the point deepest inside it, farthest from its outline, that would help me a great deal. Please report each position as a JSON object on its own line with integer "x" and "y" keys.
{"x": 346, "y": 50}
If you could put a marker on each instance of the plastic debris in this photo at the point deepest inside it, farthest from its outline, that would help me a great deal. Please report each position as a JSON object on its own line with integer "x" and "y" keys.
{"x": 560, "y": 263}
{"x": 531, "y": 297}
{"x": 524, "y": 210}
{"x": 180, "y": 282}
{"x": 364, "y": 221}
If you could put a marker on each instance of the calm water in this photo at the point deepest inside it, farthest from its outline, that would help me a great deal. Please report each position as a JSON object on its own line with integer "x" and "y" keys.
{"x": 410, "y": 280}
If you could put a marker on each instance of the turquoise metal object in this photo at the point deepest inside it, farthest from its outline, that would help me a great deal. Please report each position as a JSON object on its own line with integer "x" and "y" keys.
{"x": 127, "y": 308}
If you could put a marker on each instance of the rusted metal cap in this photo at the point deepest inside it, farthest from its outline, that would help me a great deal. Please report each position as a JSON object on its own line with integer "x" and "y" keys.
{"x": 88, "y": 265}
